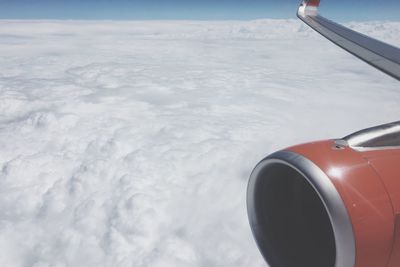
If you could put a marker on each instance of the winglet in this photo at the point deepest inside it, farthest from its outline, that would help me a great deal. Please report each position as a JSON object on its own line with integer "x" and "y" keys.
{"x": 308, "y": 8}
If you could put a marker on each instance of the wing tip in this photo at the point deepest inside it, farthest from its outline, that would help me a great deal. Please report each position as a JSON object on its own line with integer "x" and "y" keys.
{"x": 308, "y": 8}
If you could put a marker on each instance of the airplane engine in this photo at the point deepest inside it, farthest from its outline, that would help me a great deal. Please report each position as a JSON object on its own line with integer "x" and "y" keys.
{"x": 333, "y": 203}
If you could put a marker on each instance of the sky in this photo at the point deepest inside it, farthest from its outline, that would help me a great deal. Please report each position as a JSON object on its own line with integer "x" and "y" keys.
{"x": 359, "y": 10}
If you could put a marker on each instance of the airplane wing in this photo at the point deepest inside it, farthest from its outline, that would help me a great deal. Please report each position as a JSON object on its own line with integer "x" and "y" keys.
{"x": 380, "y": 55}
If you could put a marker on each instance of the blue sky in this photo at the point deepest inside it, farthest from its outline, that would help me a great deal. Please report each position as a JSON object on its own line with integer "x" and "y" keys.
{"x": 192, "y": 9}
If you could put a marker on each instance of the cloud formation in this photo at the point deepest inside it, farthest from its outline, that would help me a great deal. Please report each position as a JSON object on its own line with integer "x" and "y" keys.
{"x": 130, "y": 143}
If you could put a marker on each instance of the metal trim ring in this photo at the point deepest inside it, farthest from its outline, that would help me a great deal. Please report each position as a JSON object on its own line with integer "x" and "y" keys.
{"x": 337, "y": 212}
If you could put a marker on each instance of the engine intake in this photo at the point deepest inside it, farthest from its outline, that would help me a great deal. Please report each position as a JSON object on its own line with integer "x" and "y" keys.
{"x": 332, "y": 203}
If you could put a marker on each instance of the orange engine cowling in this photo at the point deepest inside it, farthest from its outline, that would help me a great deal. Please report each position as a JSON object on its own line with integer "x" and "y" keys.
{"x": 332, "y": 203}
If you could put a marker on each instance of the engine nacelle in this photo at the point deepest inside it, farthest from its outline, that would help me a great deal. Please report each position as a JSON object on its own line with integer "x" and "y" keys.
{"x": 332, "y": 203}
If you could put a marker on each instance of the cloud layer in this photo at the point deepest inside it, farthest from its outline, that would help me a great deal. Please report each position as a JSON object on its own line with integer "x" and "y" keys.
{"x": 130, "y": 143}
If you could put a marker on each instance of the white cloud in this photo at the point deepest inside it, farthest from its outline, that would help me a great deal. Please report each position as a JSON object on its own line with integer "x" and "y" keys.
{"x": 130, "y": 143}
